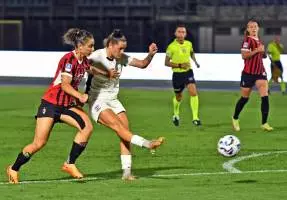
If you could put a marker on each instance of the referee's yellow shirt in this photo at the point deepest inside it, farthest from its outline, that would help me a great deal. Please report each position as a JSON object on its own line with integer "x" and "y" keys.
{"x": 275, "y": 50}
{"x": 179, "y": 53}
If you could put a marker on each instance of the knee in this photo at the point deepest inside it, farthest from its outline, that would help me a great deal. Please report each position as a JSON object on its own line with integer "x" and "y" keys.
{"x": 88, "y": 128}
{"x": 178, "y": 97}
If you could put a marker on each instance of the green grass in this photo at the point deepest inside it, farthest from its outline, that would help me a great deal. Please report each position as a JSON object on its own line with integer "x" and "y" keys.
{"x": 188, "y": 150}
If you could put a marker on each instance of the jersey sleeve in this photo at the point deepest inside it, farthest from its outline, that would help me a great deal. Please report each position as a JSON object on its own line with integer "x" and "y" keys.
{"x": 94, "y": 57}
{"x": 246, "y": 44}
{"x": 66, "y": 67}
{"x": 126, "y": 59}
{"x": 169, "y": 51}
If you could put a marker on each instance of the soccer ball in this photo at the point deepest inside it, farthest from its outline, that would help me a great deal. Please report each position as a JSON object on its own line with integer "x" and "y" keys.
{"x": 228, "y": 145}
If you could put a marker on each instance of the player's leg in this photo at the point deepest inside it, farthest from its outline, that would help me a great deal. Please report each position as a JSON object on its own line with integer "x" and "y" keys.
{"x": 79, "y": 119}
{"x": 125, "y": 147}
{"x": 247, "y": 82}
{"x": 262, "y": 87}
{"x": 108, "y": 118}
{"x": 42, "y": 132}
{"x": 194, "y": 103}
{"x": 178, "y": 86}
{"x": 272, "y": 78}
{"x": 282, "y": 83}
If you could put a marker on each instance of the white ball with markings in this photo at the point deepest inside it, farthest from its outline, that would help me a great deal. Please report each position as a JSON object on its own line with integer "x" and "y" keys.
{"x": 228, "y": 145}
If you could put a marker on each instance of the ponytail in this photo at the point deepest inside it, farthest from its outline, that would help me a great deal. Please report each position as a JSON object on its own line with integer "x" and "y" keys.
{"x": 114, "y": 38}
{"x": 75, "y": 36}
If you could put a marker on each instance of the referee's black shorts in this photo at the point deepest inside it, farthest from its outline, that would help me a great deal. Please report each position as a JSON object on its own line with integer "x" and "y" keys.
{"x": 181, "y": 79}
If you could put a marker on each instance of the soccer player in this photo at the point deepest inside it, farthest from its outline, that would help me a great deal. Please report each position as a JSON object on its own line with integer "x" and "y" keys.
{"x": 178, "y": 55}
{"x": 274, "y": 49}
{"x": 58, "y": 104}
{"x": 253, "y": 52}
{"x": 105, "y": 108}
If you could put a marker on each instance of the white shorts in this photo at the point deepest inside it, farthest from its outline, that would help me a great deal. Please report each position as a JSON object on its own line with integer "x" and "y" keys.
{"x": 96, "y": 107}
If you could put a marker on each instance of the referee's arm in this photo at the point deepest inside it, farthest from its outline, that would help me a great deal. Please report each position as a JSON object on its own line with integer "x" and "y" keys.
{"x": 171, "y": 64}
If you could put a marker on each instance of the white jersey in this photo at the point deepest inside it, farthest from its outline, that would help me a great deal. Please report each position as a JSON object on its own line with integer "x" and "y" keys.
{"x": 103, "y": 87}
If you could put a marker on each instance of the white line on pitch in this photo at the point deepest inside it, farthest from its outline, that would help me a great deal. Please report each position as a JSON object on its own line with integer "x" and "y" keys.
{"x": 229, "y": 164}
{"x": 154, "y": 175}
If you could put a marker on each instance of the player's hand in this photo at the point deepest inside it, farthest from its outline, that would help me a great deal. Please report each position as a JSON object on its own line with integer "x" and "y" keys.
{"x": 197, "y": 65}
{"x": 152, "y": 49}
{"x": 261, "y": 49}
{"x": 185, "y": 65}
{"x": 113, "y": 73}
{"x": 83, "y": 98}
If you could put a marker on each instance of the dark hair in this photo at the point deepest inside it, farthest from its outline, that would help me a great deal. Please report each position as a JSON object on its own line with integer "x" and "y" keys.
{"x": 114, "y": 38}
{"x": 180, "y": 26}
{"x": 75, "y": 36}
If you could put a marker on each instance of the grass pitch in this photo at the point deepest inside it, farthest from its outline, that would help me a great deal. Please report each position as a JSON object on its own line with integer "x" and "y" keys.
{"x": 186, "y": 167}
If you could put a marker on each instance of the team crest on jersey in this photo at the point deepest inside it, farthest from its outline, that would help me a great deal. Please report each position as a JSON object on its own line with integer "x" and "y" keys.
{"x": 68, "y": 67}
{"x": 245, "y": 45}
{"x": 183, "y": 50}
{"x": 44, "y": 110}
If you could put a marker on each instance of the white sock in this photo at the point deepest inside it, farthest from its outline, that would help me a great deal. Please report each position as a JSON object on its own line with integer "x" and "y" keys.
{"x": 126, "y": 161}
{"x": 140, "y": 141}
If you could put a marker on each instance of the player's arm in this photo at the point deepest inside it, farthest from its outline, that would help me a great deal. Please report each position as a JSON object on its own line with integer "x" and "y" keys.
{"x": 96, "y": 70}
{"x": 171, "y": 64}
{"x": 145, "y": 62}
{"x": 66, "y": 86}
{"x": 247, "y": 51}
{"x": 192, "y": 55}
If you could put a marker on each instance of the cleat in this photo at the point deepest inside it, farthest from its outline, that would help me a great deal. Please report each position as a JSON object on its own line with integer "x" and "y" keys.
{"x": 266, "y": 127}
{"x": 196, "y": 122}
{"x": 235, "y": 124}
{"x": 13, "y": 176}
{"x": 156, "y": 143}
{"x": 175, "y": 120}
{"x": 128, "y": 178}
{"x": 72, "y": 170}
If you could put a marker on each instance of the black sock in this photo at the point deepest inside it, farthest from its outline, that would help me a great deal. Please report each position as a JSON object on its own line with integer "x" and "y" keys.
{"x": 239, "y": 106}
{"x": 21, "y": 160}
{"x": 264, "y": 108}
{"x": 76, "y": 151}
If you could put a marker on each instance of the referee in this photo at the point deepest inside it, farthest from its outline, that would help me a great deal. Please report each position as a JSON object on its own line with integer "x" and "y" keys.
{"x": 178, "y": 56}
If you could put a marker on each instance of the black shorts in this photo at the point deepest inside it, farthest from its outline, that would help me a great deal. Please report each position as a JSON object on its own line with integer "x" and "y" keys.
{"x": 182, "y": 79}
{"x": 248, "y": 80}
{"x": 47, "y": 109}
{"x": 277, "y": 64}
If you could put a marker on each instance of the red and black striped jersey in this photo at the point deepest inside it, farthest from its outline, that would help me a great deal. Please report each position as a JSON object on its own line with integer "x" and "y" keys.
{"x": 68, "y": 65}
{"x": 254, "y": 64}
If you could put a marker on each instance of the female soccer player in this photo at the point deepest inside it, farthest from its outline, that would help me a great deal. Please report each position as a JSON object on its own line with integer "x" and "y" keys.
{"x": 105, "y": 107}
{"x": 254, "y": 73}
{"x": 58, "y": 104}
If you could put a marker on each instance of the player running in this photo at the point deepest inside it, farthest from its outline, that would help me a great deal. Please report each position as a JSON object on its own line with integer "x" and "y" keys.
{"x": 105, "y": 108}
{"x": 58, "y": 104}
{"x": 274, "y": 50}
{"x": 254, "y": 73}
